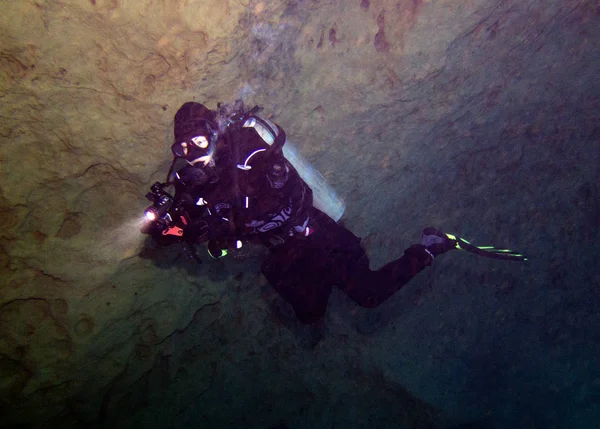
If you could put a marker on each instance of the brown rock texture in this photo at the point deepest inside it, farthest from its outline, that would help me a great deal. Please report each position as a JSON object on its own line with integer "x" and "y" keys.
{"x": 480, "y": 117}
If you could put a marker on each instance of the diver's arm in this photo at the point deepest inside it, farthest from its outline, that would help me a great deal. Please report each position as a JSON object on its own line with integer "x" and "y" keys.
{"x": 302, "y": 200}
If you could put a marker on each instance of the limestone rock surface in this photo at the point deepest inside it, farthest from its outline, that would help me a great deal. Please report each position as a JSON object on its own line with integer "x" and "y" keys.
{"x": 481, "y": 117}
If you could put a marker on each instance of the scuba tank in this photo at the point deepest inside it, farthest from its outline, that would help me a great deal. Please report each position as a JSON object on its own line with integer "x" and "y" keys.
{"x": 324, "y": 196}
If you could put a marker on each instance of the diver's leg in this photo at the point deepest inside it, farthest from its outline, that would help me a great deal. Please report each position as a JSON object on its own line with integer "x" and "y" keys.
{"x": 295, "y": 270}
{"x": 370, "y": 288}
{"x": 350, "y": 271}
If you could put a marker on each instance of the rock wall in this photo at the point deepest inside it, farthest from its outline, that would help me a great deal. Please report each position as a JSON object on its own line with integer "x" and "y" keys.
{"x": 480, "y": 117}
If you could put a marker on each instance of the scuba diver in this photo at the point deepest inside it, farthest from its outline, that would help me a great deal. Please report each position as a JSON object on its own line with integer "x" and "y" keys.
{"x": 237, "y": 187}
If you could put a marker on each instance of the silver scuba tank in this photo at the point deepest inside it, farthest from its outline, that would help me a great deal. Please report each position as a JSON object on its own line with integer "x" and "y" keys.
{"x": 324, "y": 196}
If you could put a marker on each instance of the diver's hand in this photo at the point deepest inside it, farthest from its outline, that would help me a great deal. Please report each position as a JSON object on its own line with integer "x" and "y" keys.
{"x": 219, "y": 248}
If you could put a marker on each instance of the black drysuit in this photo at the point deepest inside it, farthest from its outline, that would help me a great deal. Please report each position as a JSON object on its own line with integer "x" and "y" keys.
{"x": 302, "y": 268}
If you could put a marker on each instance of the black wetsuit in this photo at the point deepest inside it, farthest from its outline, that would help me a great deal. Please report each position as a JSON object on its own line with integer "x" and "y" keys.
{"x": 303, "y": 268}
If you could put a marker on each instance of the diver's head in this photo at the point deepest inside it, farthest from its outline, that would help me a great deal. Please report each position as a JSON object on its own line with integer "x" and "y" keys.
{"x": 196, "y": 134}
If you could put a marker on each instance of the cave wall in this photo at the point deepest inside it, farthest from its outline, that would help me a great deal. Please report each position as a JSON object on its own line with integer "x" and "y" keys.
{"x": 479, "y": 117}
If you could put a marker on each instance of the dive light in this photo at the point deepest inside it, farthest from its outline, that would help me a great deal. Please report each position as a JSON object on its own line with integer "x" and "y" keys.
{"x": 162, "y": 202}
